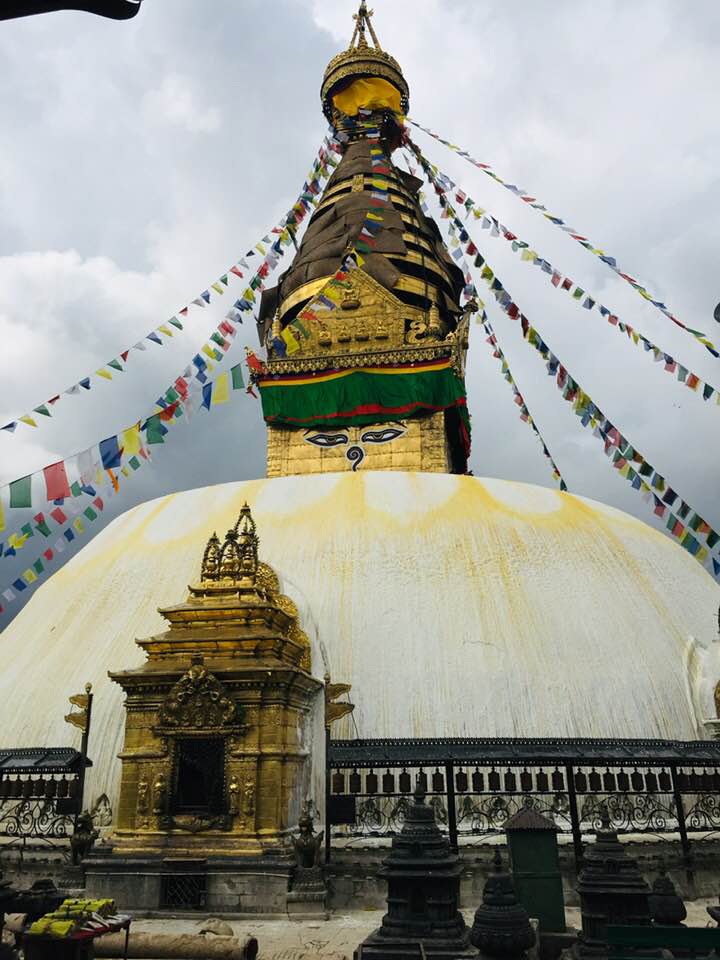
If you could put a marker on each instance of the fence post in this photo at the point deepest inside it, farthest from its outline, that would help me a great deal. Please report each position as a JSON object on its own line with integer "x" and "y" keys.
{"x": 574, "y": 817}
{"x": 327, "y": 794}
{"x": 450, "y": 797}
{"x": 682, "y": 827}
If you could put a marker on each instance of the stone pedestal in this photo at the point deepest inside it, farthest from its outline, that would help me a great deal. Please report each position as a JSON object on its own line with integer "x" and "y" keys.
{"x": 307, "y": 899}
{"x": 235, "y": 886}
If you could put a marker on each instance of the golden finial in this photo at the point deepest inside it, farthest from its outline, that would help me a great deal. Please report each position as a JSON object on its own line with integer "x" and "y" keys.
{"x": 363, "y": 22}
{"x": 237, "y": 558}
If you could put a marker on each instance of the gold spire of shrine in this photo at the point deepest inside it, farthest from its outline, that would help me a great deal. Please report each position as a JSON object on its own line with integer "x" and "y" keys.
{"x": 362, "y": 60}
{"x": 365, "y": 332}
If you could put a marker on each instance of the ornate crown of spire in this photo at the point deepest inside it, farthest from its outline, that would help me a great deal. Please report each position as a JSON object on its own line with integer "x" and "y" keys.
{"x": 362, "y": 60}
{"x": 237, "y": 558}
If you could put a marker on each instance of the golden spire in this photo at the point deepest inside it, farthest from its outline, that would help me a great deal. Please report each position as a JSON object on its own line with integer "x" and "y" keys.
{"x": 362, "y": 21}
{"x": 362, "y": 60}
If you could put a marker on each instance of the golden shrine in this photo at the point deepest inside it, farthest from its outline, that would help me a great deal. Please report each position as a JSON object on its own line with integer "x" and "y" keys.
{"x": 214, "y": 754}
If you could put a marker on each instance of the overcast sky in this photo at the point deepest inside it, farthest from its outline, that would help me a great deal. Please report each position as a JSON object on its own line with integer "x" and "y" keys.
{"x": 139, "y": 160}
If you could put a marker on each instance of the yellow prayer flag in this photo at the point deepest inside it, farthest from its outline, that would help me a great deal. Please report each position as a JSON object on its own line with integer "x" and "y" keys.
{"x": 124, "y": 471}
{"x": 261, "y": 248}
{"x": 208, "y": 350}
{"x": 17, "y": 542}
{"x": 131, "y": 442}
{"x": 218, "y": 288}
{"x": 78, "y": 524}
{"x": 26, "y": 418}
{"x": 166, "y": 330}
{"x": 221, "y": 390}
{"x": 104, "y": 373}
{"x": 290, "y": 342}
{"x": 29, "y": 576}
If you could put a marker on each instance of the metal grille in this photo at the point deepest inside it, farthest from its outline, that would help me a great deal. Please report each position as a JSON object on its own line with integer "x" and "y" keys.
{"x": 476, "y": 785}
{"x": 183, "y": 891}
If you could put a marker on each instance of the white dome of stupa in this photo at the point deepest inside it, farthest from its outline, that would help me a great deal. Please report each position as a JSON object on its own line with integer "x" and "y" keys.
{"x": 455, "y": 606}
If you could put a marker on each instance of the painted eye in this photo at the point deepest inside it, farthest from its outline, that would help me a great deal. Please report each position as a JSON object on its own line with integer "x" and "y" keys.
{"x": 382, "y": 436}
{"x": 327, "y": 439}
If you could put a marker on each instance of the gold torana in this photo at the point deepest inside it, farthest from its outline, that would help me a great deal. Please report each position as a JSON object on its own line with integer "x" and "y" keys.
{"x": 214, "y": 759}
{"x": 377, "y": 380}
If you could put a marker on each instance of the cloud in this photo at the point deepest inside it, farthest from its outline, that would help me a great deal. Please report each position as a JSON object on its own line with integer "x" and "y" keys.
{"x": 175, "y": 101}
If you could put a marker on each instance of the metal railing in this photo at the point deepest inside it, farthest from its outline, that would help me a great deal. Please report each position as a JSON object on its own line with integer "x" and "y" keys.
{"x": 475, "y": 785}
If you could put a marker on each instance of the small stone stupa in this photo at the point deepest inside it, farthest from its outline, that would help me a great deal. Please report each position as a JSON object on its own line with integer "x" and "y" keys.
{"x": 502, "y": 926}
{"x": 423, "y": 878}
{"x": 612, "y": 891}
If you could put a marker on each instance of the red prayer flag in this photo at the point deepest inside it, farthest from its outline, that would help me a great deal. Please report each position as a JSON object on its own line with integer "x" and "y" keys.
{"x": 678, "y": 529}
{"x": 48, "y": 554}
{"x": 98, "y": 502}
{"x": 56, "y": 481}
{"x": 58, "y": 515}
{"x": 567, "y": 283}
{"x": 513, "y": 311}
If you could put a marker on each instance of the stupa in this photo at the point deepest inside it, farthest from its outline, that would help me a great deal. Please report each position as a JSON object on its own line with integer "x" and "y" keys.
{"x": 418, "y": 584}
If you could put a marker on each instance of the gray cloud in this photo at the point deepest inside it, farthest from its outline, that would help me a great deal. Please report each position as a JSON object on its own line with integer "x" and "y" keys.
{"x": 141, "y": 159}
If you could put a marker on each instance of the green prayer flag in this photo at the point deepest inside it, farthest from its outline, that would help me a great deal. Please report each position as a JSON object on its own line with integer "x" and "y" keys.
{"x": 218, "y": 338}
{"x": 176, "y": 323}
{"x": 645, "y": 469}
{"x": 27, "y": 530}
{"x": 224, "y": 279}
{"x": 237, "y": 377}
{"x": 38, "y": 566}
{"x": 75, "y": 489}
{"x": 712, "y": 539}
{"x": 43, "y": 528}
{"x": 21, "y": 492}
{"x": 42, "y": 409}
{"x": 154, "y": 429}
{"x": 172, "y": 395}
{"x": 694, "y": 521}
{"x": 90, "y": 513}
{"x": 578, "y": 292}
{"x": 116, "y": 365}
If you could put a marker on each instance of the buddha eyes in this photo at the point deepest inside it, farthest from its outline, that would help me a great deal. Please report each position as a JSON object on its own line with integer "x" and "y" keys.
{"x": 328, "y": 439}
{"x": 381, "y": 436}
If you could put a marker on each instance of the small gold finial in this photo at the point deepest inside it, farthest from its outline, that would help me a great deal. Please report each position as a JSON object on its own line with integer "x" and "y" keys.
{"x": 237, "y": 558}
{"x": 362, "y": 22}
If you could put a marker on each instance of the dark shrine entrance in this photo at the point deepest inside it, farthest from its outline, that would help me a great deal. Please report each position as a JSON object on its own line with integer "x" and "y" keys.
{"x": 199, "y": 775}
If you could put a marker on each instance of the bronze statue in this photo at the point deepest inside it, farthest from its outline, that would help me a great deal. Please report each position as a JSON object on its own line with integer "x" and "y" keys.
{"x": 83, "y": 838}
{"x": 308, "y": 845}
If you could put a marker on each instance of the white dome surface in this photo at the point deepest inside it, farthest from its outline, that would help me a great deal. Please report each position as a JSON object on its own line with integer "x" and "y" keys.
{"x": 455, "y": 606}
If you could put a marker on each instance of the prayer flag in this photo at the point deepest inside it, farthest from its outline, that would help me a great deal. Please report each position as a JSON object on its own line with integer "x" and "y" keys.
{"x": 110, "y": 453}
{"x": 221, "y": 391}
{"x": 131, "y": 440}
{"x": 56, "y": 481}
{"x": 237, "y": 378}
{"x": 21, "y": 492}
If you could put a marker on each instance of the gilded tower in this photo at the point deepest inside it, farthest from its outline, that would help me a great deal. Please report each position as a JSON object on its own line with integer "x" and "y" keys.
{"x": 364, "y": 334}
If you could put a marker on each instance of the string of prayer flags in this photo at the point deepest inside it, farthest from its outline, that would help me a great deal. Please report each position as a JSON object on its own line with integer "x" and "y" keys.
{"x": 525, "y": 415}
{"x": 101, "y": 462}
{"x": 445, "y": 185}
{"x": 319, "y": 172}
{"x": 70, "y": 517}
{"x": 625, "y": 456}
{"x": 578, "y": 237}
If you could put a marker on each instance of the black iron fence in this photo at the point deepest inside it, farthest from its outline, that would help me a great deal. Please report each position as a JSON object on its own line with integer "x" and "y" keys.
{"x": 40, "y": 793}
{"x": 655, "y": 787}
